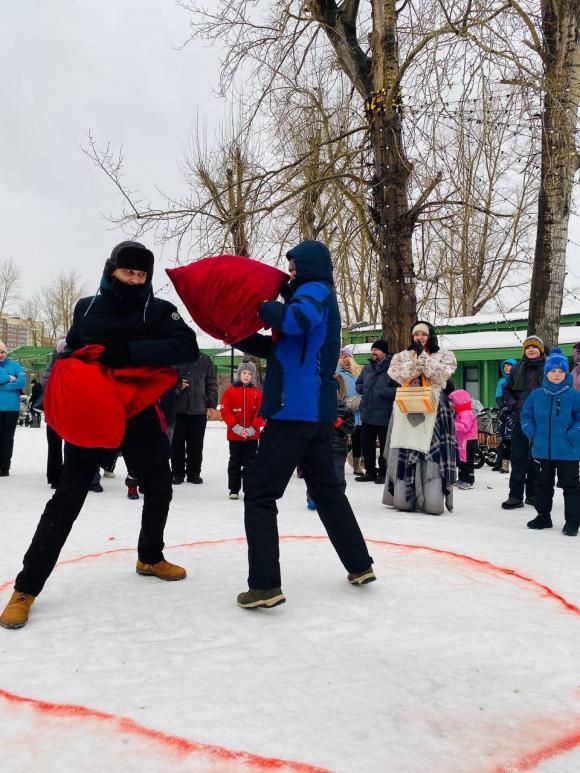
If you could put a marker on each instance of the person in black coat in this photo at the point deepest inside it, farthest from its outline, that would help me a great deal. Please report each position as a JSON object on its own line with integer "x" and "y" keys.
{"x": 378, "y": 392}
{"x": 136, "y": 330}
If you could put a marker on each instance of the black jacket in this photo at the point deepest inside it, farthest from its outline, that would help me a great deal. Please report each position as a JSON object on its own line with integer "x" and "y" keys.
{"x": 378, "y": 392}
{"x": 202, "y": 392}
{"x": 339, "y": 435}
{"x": 519, "y": 386}
{"x": 152, "y": 329}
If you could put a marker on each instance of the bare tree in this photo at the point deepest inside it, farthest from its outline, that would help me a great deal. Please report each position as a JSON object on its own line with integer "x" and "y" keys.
{"x": 9, "y": 280}
{"x": 30, "y": 312}
{"x": 57, "y": 301}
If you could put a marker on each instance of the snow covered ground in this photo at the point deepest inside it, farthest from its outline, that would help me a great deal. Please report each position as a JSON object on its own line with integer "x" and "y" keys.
{"x": 444, "y": 665}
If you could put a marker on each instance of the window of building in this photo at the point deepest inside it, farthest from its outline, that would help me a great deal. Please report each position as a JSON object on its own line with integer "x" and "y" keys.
{"x": 471, "y": 378}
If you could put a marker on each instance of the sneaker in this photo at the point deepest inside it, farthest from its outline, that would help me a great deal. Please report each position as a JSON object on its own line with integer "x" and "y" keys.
{"x": 15, "y": 613}
{"x": 132, "y": 492}
{"x": 530, "y": 501}
{"x": 540, "y": 522}
{"x": 194, "y": 479}
{"x": 311, "y": 504}
{"x": 234, "y": 495}
{"x": 362, "y": 578}
{"x": 366, "y": 478}
{"x": 569, "y": 530}
{"x": 177, "y": 479}
{"x": 463, "y": 485}
{"x": 512, "y": 503}
{"x": 162, "y": 569}
{"x": 96, "y": 488}
{"x": 261, "y": 599}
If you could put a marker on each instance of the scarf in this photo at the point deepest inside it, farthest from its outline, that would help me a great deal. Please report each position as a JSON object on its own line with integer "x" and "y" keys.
{"x": 534, "y": 370}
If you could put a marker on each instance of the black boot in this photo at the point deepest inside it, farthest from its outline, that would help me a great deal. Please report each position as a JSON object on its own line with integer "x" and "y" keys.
{"x": 366, "y": 478}
{"x": 570, "y": 530}
{"x": 511, "y": 503}
{"x": 540, "y": 522}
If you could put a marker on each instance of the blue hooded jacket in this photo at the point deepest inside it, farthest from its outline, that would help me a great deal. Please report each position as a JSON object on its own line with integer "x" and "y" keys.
{"x": 299, "y": 384}
{"x": 503, "y": 378}
{"x": 550, "y": 418}
{"x": 10, "y": 391}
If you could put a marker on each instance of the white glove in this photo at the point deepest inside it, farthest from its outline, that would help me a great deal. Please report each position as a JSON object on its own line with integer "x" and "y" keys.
{"x": 250, "y": 432}
{"x": 238, "y": 429}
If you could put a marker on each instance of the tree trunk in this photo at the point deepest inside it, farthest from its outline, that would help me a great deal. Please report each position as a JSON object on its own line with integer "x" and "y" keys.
{"x": 559, "y": 163}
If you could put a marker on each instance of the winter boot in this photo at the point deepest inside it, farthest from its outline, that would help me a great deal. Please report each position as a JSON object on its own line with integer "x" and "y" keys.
{"x": 349, "y": 459}
{"x": 463, "y": 485}
{"x": 357, "y": 467}
{"x": 132, "y": 492}
{"x": 366, "y": 477}
{"x": 505, "y": 466}
{"x": 195, "y": 478}
{"x": 177, "y": 479}
{"x": 511, "y": 503}
{"x": 234, "y": 495}
{"x": 15, "y": 613}
{"x": 540, "y": 522}
{"x": 162, "y": 569}
{"x": 261, "y": 599}
{"x": 362, "y": 578}
{"x": 530, "y": 501}
{"x": 570, "y": 530}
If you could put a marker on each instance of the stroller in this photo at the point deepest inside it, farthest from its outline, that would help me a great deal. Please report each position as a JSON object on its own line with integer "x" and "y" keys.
{"x": 487, "y": 438}
{"x": 27, "y": 417}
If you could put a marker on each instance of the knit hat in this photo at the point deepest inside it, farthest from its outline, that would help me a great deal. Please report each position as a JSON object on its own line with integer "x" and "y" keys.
{"x": 382, "y": 345}
{"x": 420, "y": 327}
{"x": 346, "y": 350}
{"x": 534, "y": 341}
{"x": 130, "y": 254}
{"x": 556, "y": 359}
{"x": 247, "y": 366}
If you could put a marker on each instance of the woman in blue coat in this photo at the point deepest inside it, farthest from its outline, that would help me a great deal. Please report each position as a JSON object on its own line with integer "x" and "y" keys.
{"x": 12, "y": 382}
{"x": 550, "y": 418}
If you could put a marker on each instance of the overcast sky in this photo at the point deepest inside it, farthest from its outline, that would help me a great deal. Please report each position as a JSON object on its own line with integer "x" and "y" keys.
{"x": 112, "y": 68}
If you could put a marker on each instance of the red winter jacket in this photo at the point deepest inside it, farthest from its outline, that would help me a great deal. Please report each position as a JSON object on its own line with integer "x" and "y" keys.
{"x": 240, "y": 405}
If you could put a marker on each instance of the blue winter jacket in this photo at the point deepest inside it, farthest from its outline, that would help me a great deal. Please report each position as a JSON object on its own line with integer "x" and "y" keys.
{"x": 550, "y": 418}
{"x": 10, "y": 391}
{"x": 503, "y": 379}
{"x": 299, "y": 384}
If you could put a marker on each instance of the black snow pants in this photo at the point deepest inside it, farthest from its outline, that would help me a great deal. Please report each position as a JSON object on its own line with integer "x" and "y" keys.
{"x": 146, "y": 450}
{"x": 283, "y": 445}
{"x": 568, "y": 479}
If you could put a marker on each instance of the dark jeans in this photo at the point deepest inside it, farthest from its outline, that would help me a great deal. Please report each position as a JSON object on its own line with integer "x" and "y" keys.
{"x": 522, "y": 475}
{"x": 242, "y": 454}
{"x": 356, "y": 447}
{"x": 283, "y": 444}
{"x": 466, "y": 473}
{"x": 8, "y": 422}
{"x": 146, "y": 450}
{"x": 568, "y": 479}
{"x": 187, "y": 444}
{"x": 369, "y": 435}
{"x": 54, "y": 457}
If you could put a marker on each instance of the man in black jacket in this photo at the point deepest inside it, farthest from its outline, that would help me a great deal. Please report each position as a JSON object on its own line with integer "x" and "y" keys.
{"x": 378, "y": 394}
{"x": 136, "y": 330}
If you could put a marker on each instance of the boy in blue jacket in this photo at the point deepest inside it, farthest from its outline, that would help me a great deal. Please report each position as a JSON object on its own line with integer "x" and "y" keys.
{"x": 550, "y": 418}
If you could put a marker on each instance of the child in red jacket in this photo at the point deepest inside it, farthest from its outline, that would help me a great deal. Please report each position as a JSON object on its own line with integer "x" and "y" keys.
{"x": 240, "y": 405}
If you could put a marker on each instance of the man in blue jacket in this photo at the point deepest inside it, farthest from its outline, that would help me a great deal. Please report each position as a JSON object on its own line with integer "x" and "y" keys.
{"x": 12, "y": 383}
{"x": 300, "y": 405}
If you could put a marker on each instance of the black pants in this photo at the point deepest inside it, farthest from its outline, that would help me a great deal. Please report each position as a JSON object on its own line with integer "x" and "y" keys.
{"x": 187, "y": 444}
{"x": 146, "y": 449}
{"x": 355, "y": 444}
{"x": 568, "y": 479}
{"x": 522, "y": 474}
{"x": 8, "y": 422}
{"x": 283, "y": 444}
{"x": 54, "y": 459}
{"x": 242, "y": 454}
{"x": 466, "y": 469}
{"x": 369, "y": 435}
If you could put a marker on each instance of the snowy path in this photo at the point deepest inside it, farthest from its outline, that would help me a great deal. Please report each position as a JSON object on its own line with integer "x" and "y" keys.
{"x": 444, "y": 665}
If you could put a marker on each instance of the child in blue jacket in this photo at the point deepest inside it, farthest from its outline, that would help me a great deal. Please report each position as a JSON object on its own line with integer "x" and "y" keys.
{"x": 550, "y": 418}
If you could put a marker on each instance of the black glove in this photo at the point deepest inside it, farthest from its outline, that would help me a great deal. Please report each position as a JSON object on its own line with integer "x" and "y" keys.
{"x": 287, "y": 290}
{"x": 115, "y": 356}
{"x": 416, "y": 347}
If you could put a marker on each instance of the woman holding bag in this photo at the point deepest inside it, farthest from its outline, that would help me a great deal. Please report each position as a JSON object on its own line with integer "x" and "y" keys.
{"x": 421, "y": 466}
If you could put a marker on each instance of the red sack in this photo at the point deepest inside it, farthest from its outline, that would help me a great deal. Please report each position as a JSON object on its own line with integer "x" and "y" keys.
{"x": 223, "y": 293}
{"x": 88, "y": 404}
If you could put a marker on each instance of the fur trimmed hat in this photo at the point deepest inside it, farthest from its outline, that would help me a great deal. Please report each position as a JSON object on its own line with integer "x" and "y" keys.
{"x": 133, "y": 255}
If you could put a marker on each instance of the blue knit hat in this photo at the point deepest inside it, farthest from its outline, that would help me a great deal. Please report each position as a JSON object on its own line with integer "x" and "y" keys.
{"x": 556, "y": 360}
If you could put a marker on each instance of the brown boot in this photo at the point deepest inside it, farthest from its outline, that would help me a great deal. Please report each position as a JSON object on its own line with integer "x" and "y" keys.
{"x": 505, "y": 465}
{"x": 15, "y": 613}
{"x": 162, "y": 569}
{"x": 356, "y": 466}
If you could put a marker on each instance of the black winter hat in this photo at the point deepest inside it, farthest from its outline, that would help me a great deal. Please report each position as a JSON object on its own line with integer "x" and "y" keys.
{"x": 382, "y": 345}
{"x": 130, "y": 254}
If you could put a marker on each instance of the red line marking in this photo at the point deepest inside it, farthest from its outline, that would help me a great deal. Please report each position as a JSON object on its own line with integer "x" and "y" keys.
{"x": 528, "y": 762}
{"x": 181, "y": 745}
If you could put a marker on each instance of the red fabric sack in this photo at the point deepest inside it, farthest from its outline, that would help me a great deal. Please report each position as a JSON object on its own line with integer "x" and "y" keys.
{"x": 88, "y": 404}
{"x": 223, "y": 293}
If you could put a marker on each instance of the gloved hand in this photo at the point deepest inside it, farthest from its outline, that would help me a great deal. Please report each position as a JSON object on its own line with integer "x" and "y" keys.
{"x": 416, "y": 347}
{"x": 286, "y": 290}
{"x": 250, "y": 432}
{"x": 115, "y": 356}
{"x": 238, "y": 430}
